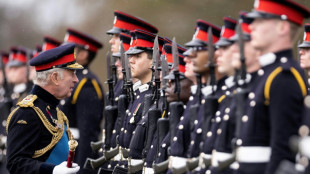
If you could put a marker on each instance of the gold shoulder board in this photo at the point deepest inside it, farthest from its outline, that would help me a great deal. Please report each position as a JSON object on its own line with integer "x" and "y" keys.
{"x": 27, "y": 101}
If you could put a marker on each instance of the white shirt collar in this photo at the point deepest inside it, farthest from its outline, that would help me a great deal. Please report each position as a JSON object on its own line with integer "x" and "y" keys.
{"x": 267, "y": 59}
{"x": 208, "y": 90}
{"x": 194, "y": 89}
{"x": 20, "y": 88}
{"x": 229, "y": 82}
{"x": 144, "y": 87}
{"x": 136, "y": 85}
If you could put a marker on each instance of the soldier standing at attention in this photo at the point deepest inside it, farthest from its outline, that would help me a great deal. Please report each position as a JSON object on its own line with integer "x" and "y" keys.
{"x": 140, "y": 59}
{"x": 84, "y": 108}
{"x": 38, "y": 131}
{"x": 124, "y": 23}
{"x": 275, "y": 103}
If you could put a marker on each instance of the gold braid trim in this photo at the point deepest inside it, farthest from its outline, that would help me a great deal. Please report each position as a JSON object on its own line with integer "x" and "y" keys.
{"x": 9, "y": 119}
{"x": 54, "y": 130}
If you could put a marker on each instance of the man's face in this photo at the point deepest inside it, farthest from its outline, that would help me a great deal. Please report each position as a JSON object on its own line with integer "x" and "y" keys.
{"x": 17, "y": 74}
{"x": 224, "y": 60}
{"x": 200, "y": 61}
{"x": 140, "y": 66}
{"x": 82, "y": 56}
{"x": 118, "y": 65}
{"x": 66, "y": 85}
{"x": 304, "y": 58}
{"x": 263, "y": 33}
{"x": 185, "y": 91}
{"x": 189, "y": 68}
{"x": 115, "y": 43}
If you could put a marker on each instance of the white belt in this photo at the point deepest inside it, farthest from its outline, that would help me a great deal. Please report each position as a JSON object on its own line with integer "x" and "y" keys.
{"x": 134, "y": 162}
{"x": 304, "y": 146}
{"x": 201, "y": 157}
{"x": 75, "y": 132}
{"x": 219, "y": 156}
{"x": 177, "y": 162}
{"x": 253, "y": 154}
{"x": 117, "y": 157}
{"x": 148, "y": 170}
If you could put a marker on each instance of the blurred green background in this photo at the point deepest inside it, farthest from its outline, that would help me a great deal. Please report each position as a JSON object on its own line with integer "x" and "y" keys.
{"x": 26, "y": 22}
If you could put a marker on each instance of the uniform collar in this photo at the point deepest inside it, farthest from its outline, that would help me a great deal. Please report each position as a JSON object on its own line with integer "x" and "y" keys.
{"x": 267, "y": 59}
{"x": 208, "y": 90}
{"x": 229, "y": 82}
{"x": 194, "y": 89}
{"x": 44, "y": 95}
{"x": 20, "y": 88}
{"x": 144, "y": 87}
{"x": 136, "y": 85}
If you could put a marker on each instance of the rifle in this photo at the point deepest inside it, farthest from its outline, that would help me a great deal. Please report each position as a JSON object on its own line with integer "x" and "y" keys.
{"x": 129, "y": 84}
{"x": 164, "y": 71}
{"x": 110, "y": 80}
{"x": 175, "y": 56}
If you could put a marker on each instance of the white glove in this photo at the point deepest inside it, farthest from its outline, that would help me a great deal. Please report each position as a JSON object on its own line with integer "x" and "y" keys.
{"x": 63, "y": 169}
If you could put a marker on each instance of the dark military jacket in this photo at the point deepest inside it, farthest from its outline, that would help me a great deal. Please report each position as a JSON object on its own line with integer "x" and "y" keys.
{"x": 134, "y": 115}
{"x": 274, "y": 110}
{"x": 182, "y": 137}
{"x": 27, "y": 134}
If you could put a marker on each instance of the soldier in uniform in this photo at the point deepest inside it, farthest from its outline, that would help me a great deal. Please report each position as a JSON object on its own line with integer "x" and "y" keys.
{"x": 38, "y": 132}
{"x": 198, "y": 55}
{"x": 125, "y": 23}
{"x": 275, "y": 103}
{"x": 159, "y": 149}
{"x": 18, "y": 74}
{"x": 85, "y": 107}
{"x": 140, "y": 59}
{"x": 304, "y": 51}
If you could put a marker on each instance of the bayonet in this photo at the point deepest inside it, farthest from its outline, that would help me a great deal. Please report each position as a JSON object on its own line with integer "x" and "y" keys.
{"x": 175, "y": 56}
{"x": 164, "y": 73}
{"x": 122, "y": 51}
{"x": 155, "y": 69}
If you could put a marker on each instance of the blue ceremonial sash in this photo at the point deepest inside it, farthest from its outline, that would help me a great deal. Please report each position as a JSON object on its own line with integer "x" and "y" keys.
{"x": 60, "y": 151}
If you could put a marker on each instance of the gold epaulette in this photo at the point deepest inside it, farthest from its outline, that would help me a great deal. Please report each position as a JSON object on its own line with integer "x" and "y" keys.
{"x": 27, "y": 101}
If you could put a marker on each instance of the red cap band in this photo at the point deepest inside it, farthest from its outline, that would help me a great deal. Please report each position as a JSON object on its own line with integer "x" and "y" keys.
{"x": 63, "y": 60}
{"x": 227, "y": 33}
{"x": 143, "y": 43}
{"x": 77, "y": 40}
{"x": 202, "y": 35}
{"x": 280, "y": 9}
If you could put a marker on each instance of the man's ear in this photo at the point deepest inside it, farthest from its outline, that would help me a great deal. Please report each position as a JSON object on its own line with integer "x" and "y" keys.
{"x": 55, "y": 78}
{"x": 284, "y": 27}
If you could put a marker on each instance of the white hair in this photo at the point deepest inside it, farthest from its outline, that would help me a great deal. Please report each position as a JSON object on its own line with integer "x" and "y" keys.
{"x": 43, "y": 77}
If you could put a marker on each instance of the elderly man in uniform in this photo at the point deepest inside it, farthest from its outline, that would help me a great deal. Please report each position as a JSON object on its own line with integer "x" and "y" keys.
{"x": 38, "y": 131}
{"x": 85, "y": 107}
{"x": 275, "y": 103}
